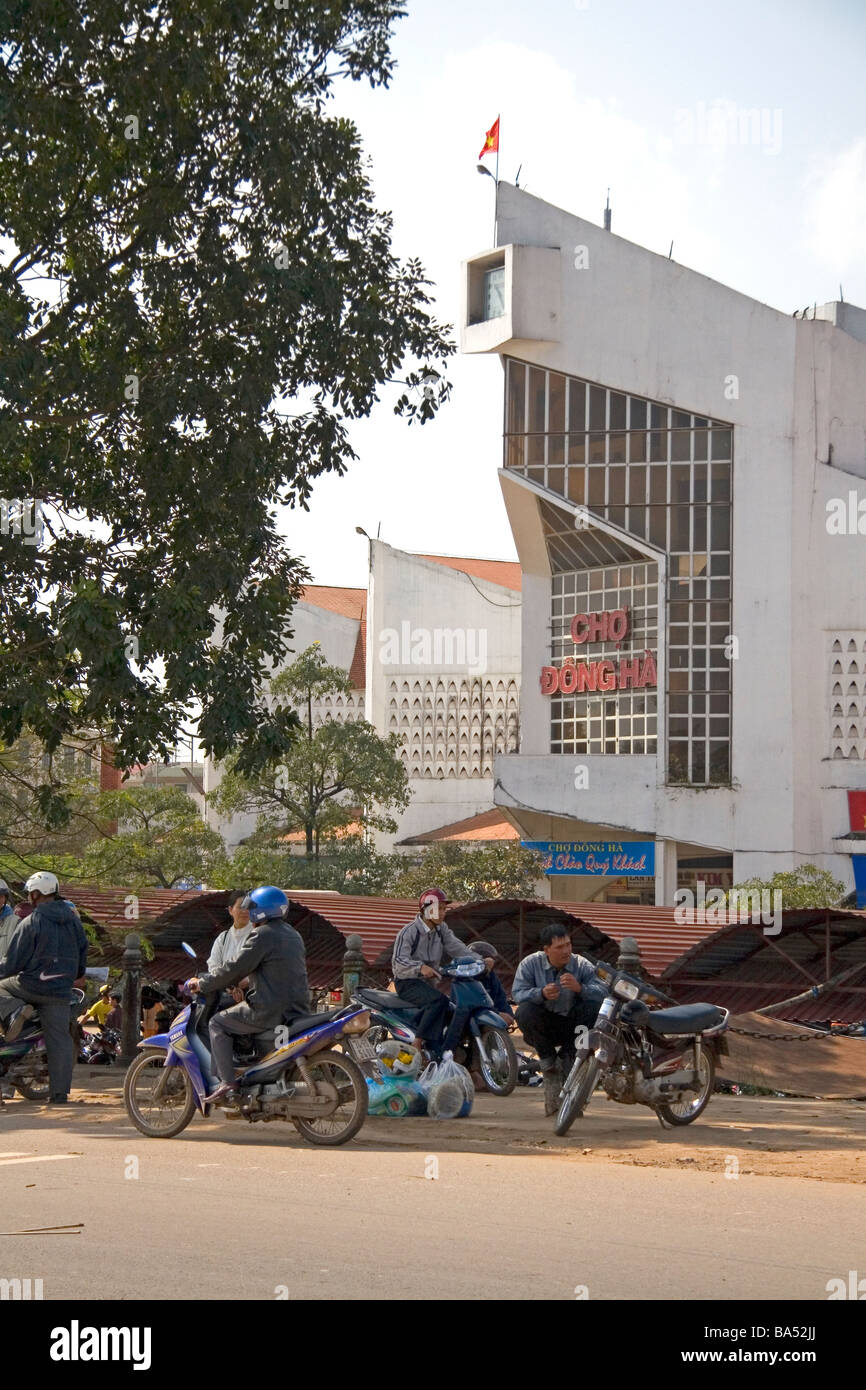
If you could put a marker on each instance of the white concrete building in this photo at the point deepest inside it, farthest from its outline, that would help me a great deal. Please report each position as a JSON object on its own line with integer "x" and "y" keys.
{"x": 685, "y": 476}
{"x": 432, "y": 648}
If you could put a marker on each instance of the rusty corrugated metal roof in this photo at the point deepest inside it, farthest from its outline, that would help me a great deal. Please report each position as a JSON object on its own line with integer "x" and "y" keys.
{"x": 744, "y": 969}
{"x": 660, "y": 937}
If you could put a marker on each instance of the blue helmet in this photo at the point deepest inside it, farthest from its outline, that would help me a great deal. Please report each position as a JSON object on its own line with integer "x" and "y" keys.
{"x": 263, "y": 903}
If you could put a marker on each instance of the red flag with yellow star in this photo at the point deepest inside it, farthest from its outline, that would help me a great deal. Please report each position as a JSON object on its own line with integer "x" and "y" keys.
{"x": 491, "y": 140}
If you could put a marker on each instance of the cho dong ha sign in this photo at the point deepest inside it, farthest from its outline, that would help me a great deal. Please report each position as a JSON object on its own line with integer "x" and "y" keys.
{"x": 626, "y": 673}
{"x": 598, "y": 858}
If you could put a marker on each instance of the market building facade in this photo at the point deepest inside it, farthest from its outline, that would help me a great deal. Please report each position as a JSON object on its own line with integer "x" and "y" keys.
{"x": 679, "y": 467}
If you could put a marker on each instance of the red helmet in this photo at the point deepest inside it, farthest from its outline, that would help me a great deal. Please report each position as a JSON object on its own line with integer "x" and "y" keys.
{"x": 428, "y": 895}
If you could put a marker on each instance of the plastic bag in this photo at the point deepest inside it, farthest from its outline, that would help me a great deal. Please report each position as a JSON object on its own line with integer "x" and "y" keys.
{"x": 396, "y": 1097}
{"x": 448, "y": 1088}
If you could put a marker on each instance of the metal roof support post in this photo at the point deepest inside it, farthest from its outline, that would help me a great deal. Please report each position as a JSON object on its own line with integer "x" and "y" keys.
{"x": 827, "y": 944}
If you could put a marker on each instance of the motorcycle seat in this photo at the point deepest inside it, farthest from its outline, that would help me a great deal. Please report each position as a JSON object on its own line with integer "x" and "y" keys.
{"x": 685, "y": 1018}
{"x": 384, "y": 999}
{"x": 305, "y": 1021}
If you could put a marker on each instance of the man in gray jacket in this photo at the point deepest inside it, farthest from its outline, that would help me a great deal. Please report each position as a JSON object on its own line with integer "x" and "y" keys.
{"x": 418, "y": 950}
{"x": 274, "y": 959}
{"x": 555, "y": 991}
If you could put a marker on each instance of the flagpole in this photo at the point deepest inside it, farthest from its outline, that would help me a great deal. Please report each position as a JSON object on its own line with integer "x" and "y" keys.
{"x": 496, "y": 197}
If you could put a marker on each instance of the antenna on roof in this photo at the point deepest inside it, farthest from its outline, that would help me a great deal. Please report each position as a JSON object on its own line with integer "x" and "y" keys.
{"x": 517, "y": 176}
{"x": 671, "y": 252}
{"x": 607, "y": 213}
{"x": 841, "y": 296}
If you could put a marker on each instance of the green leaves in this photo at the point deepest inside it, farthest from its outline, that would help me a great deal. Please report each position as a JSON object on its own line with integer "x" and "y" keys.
{"x": 805, "y": 886}
{"x": 164, "y": 384}
{"x": 505, "y": 870}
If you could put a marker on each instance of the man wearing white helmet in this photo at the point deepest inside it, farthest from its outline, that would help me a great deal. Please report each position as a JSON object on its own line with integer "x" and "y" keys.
{"x": 46, "y": 955}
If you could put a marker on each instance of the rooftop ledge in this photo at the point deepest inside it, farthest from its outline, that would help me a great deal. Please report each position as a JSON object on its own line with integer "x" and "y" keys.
{"x": 528, "y": 290}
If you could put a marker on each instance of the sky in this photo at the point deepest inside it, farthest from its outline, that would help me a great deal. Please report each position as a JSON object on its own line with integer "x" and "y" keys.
{"x": 592, "y": 94}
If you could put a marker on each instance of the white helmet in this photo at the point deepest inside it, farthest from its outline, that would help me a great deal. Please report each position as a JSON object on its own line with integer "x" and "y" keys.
{"x": 42, "y": 882}
{"x": 4, "y": 887}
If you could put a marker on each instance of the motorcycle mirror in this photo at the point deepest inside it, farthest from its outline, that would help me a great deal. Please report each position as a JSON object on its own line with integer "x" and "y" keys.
{"x": 186, "y": 947}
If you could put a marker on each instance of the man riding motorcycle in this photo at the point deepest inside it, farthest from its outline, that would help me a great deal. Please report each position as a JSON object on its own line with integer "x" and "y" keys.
{"x": 273, "y": 957}
{"x": 44, "y": 958}
{"x": 418, "y": 950}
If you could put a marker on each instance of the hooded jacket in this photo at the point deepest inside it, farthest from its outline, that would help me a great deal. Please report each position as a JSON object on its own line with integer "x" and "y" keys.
{"x": 8, "y": 924}
{"x": 48, "y": 950}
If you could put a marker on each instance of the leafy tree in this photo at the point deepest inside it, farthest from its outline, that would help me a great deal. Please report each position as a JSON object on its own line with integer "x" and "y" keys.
{"x": 805, "y": 886}
{"x": 45, "y": 812}
{"x": 344, "y": 865}
{"x": 504, "y": 870}
{"x": 333, "y": 775}
{"x": 197, "y": 297}
{"x": 161, "y": 841}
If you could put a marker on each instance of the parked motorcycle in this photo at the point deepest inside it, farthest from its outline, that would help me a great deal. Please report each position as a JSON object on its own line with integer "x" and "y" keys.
{"x": 100, "y": 1049}
{"x": 489, "y": 1049}
{"x": 303, "y": 1079}
{"x": 661, "y": 1057}
{"x": 24, "y": 1062}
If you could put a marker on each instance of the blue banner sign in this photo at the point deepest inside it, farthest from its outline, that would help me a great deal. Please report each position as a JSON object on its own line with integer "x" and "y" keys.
{"x": 859, "y": 862}
{"x": 598, "y": 858}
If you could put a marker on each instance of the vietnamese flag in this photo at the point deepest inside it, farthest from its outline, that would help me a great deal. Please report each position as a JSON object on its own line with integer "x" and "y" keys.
{"x": 491, "y": 140}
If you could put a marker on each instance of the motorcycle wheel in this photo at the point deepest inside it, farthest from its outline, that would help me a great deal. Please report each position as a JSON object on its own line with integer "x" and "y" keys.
{"x": 576, "y": 1097}
{"x": 500, "y": 1071}
{"x": 687, "y": 1110}
{"x": 166, "y": 1117}
{"x": 36, "y": 1087}
{"x": 339, "y": 1075}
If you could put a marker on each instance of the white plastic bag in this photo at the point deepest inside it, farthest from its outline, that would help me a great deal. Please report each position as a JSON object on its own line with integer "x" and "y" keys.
{"x": 448, "y": 1088}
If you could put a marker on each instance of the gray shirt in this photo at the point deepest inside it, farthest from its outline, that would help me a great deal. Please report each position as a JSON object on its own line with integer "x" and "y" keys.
{"x": 228, "y": 946}
{"x": 535, "y": 971}
{"x": 417, "y": 945}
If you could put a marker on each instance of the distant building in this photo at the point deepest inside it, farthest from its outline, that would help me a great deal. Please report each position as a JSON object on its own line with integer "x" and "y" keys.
{"x": 432, "y": 648}
{"x": 685, "y": 477}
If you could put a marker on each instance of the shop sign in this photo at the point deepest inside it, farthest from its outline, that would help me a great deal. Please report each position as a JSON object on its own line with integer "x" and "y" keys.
{"x": 626, "y": 673}
{"x": 596, "y": 858}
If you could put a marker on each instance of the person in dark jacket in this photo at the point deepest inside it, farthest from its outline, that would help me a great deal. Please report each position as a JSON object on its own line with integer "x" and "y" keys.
{"x": 46, "y": 955}
{"x": 491, "y": 981}
{"x": 273, "y": 957}
{"x": 8, "y": 920}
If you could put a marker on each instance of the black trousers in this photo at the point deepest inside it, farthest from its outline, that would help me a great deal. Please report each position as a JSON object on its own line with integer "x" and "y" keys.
{"x": 547, "y": 1031}
{"x": 433, "y": 1003}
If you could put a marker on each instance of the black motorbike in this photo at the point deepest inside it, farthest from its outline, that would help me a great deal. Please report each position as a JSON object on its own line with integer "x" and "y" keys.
{"x": 643, "y": 1054}
{"x": 100, "y": 1049}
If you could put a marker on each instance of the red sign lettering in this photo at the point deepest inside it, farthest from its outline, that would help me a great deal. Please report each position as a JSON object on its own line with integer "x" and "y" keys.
{"x": 576, "y": 677}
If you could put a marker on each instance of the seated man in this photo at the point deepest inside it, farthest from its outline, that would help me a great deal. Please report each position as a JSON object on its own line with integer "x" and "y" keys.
{"x": 274, "y": 959}
{"x": 491, "y": 981}
{"x": 418, "y": 950}
{"x": 555, "y": 992}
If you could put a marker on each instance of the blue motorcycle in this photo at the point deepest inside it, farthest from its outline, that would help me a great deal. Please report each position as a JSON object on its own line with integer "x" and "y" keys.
{"x": 486, "y": 1043}
{"x": 24, "y": 1062}
{"x": 296, "y": 1075}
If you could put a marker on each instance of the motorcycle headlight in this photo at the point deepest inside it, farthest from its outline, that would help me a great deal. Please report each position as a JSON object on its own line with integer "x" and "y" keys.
{"x": 626, "y": 989}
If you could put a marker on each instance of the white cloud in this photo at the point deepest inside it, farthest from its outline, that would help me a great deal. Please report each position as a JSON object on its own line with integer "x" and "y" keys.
{"x": 835, "y": 214}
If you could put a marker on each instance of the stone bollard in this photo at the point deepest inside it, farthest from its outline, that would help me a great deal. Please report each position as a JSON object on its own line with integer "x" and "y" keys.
{"x": 353, "y": 964}
{"x": 629, "y": 958}
{"x": 131, "y": 999}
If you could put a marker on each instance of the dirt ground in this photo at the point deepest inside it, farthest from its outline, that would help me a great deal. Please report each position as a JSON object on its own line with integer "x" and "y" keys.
{"x": 764, "y": 1136}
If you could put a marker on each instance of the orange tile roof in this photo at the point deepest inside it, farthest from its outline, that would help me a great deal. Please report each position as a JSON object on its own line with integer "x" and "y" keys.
{"x": 349, "y": 603}
{"x": 486, "y": 827}
{"x": 504, "y": 572}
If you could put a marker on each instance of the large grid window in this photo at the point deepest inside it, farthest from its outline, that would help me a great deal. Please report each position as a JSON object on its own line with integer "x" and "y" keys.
{"x": 608, "y": 722}
{"x": 662, "y": 475}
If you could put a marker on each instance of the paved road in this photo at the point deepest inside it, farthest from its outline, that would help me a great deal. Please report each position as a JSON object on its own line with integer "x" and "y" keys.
{"x": 227, "y": 1211}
